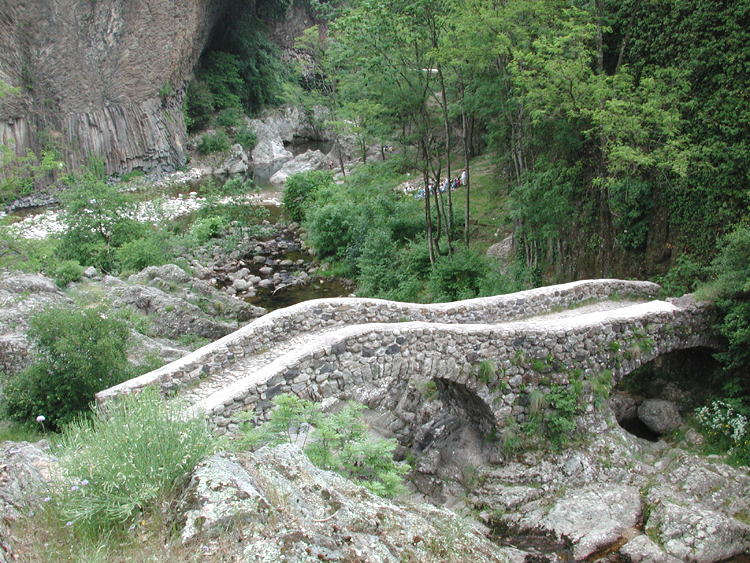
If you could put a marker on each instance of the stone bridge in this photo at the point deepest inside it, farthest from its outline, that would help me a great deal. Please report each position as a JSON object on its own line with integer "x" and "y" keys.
{"x": 485, "y": 357}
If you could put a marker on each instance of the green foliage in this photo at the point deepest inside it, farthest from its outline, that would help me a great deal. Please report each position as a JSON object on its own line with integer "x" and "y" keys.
{"x": 377, "y": 276}
{"x": 725, "y": 426}
{"x": 26, "y": 255}
{"x": 230, "y": 117}
{"x": 221, "y": 74}
{"x": 133, "y": 174}
{"x": 199, "y": 106}
{"x": 214, "y": 142}
{"x": 337, "y": 441}
{"x": 683, "y": 277}
{"x": 242, "y": 66}
{"x": 123, "y": 462}
{"x": 537, "y": 402}
{"x": 166, "y": 90}
{"x": 67, "y": 271}
{"x": 78, "y": 352}
{"x": 560, "y": 420}
{"x": 300, "y": 189}
{"x": 19, "y": 173}
{"x": 631, "y": 202}
{"x": 14, "y": 432}
{"x": 227, "y": 211}
{"x": 98, "y": 220}
{"x": 465, "y": 274}
{"x": 486, "y": 371}
{"x": 732, "y": 286}
{"x": 247, "y": 138}
{"x": 151, "y": 250}
{"x": 207, "y": 228}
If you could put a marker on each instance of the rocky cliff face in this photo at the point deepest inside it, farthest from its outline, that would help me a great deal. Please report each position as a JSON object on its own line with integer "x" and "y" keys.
{"x": 101, "y": 77}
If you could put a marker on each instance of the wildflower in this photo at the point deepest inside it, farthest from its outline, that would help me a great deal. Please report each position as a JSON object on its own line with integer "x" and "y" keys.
{"x": 40, "y": 418}
{"x": 47, "y": 499}
{"x": 68, "y": 523}
{"x": 84, "y": 482}
{"x": 74, "y": 488}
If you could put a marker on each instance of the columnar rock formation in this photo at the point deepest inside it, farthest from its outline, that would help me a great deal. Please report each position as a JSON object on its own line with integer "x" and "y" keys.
{"x": 105, "y": 78}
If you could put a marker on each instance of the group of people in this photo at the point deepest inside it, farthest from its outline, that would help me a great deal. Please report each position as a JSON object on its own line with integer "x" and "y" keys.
{"x": 449, "y": 184}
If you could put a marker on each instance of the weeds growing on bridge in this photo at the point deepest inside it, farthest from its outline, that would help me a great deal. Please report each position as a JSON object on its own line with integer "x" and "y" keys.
{"x": 486, "y": 371}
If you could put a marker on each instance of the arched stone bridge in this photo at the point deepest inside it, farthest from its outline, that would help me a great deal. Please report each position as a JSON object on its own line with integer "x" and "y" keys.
{"x": 483, "y": 355}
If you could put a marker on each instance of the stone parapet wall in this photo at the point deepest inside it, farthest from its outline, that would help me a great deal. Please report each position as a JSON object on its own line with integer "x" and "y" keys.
{"x": 382, "y": 364}
{"x": 283, "y": 324}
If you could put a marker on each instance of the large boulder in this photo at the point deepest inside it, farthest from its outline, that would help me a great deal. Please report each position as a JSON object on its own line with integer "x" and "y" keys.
{"x": 171, "y": 316}
{"x": 284, "y": 508}
{"x": 167, "y": 272}
{"x": 237, "y": 162}
{"x": 24, "y": 471}
{"x": 694, "y": 534}
{"x": 697, "y": 508}
{"x": 591, "y": 517}
{"x": 659, "y": 416}
{"x": 642, "y": 549}
{"x": 288, "y": 123}
{"x": 311, "y": 160}
{"x": 271, "y": 151}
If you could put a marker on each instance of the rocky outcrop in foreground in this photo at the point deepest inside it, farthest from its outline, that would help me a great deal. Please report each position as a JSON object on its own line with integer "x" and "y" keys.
{"x": 282, "y": 508}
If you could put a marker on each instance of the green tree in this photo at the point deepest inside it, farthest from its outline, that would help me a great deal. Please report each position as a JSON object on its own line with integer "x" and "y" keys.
{"x": 98, "y": 219}
{"x": 77, "y": 353}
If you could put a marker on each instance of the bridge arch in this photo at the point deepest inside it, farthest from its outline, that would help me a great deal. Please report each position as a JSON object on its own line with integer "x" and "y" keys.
{"x": 385, "y": 354}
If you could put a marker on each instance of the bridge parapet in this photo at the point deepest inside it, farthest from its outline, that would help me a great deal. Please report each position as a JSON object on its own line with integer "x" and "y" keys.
{"x": 283, "y": 324}
{"x": 488, "y": 370}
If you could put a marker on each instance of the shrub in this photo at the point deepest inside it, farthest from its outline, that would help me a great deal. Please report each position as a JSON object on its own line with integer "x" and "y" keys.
{"x": 67, "y": 271}
{"x": 683, "y": 277}
{"x": 141, "y": 253}
{"x": 733, "y": 291}
{"x": 217, "y": 142}
{"x": 377, "y": 274}
{"x": 338, "y": 442}
{"x": 124, "y": 461}
{"x": 457, "y": 277}
{"x": 230, "y": 117}
{"x": 300, "y": 189}
{"x": 725, "y": 426}
{"x": 221, "y": 74}
{"x": 98, "y": 220}
{"x": 205, "y": 229}
{"x": 199, "y": 106}
{"x": 78, "y": 353}
{"x": 133, "y": 174}
{"x": 247, "y": 138}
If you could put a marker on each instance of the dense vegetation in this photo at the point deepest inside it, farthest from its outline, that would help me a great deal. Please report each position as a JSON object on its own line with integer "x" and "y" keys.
{"x": 617, "y": 131}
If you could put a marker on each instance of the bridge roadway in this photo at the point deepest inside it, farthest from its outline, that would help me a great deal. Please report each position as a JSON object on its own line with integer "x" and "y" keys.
{"x": 484, "y": 355}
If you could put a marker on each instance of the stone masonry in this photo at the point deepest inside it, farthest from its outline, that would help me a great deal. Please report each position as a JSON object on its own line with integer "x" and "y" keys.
{"x": 481, "y": 353}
